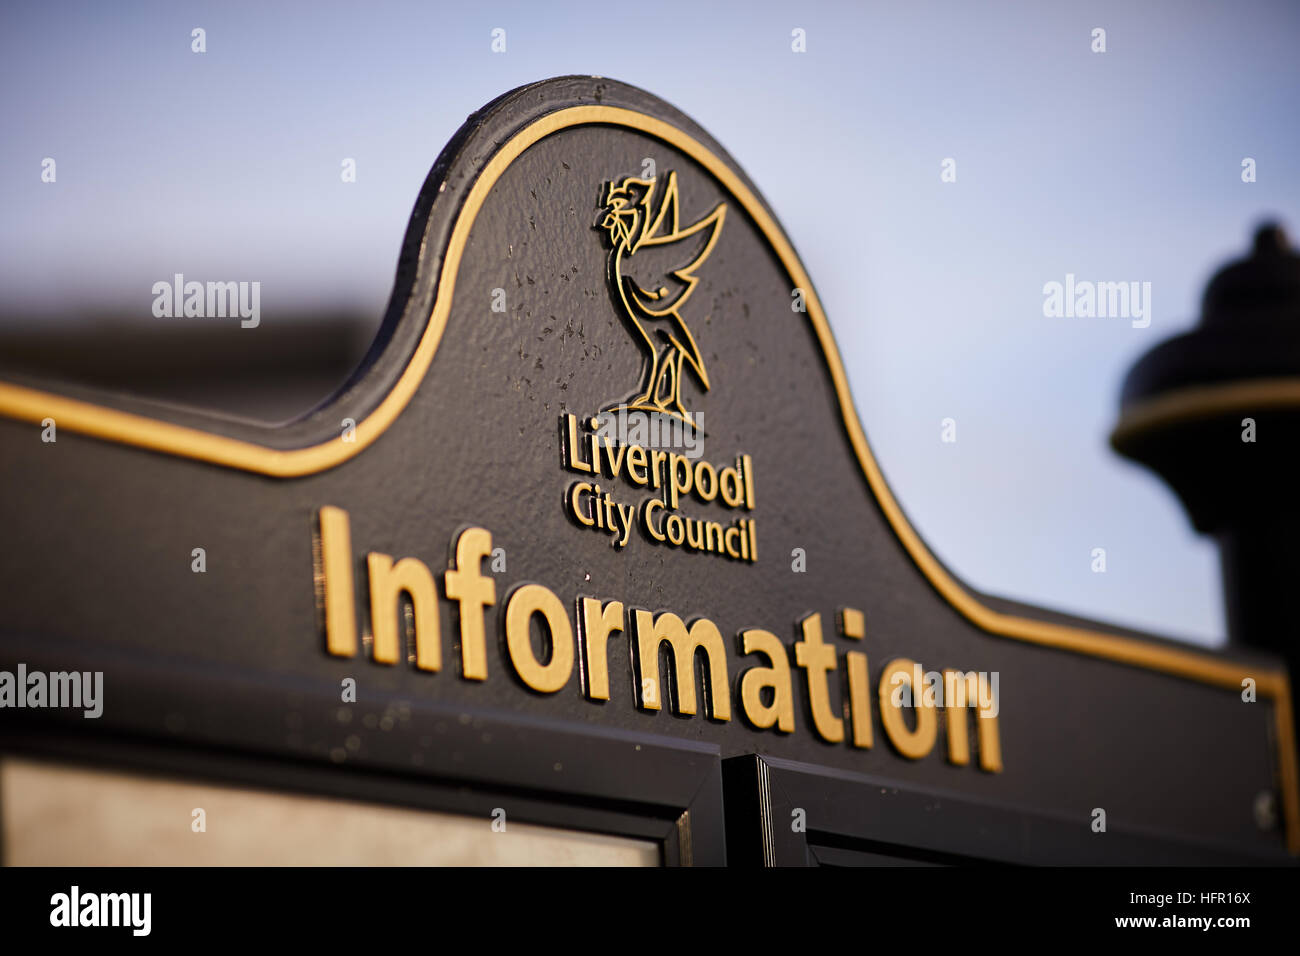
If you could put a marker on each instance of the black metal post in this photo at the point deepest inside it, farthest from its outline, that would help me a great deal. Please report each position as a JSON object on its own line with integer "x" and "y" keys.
{"x": 1216, "y": 413}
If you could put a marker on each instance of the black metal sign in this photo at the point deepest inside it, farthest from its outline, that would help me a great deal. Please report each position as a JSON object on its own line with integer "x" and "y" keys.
{"x": 596, "y": 525}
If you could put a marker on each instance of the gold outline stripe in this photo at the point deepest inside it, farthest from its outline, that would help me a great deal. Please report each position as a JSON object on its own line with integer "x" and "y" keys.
{"x": 1203, "y": 401}
{"x": 113, "y": 425}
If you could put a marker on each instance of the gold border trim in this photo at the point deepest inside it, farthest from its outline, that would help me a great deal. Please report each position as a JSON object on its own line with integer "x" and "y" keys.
{"x": 110, "y": 424}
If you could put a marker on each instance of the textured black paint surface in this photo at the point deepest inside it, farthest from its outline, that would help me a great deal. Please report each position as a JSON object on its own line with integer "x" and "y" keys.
{"x": 97, "y": 539}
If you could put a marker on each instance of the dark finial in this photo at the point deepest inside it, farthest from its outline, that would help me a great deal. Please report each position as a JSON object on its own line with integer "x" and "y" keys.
{"x": 1261, "y": 289}
{"x": 1271, "y": 240}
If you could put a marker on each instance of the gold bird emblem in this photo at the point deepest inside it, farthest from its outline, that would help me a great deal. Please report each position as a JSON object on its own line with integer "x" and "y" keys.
{"x": 652, "y": 266}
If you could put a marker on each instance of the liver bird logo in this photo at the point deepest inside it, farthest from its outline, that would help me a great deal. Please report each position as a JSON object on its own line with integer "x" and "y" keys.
{"x": 652, "y": 264}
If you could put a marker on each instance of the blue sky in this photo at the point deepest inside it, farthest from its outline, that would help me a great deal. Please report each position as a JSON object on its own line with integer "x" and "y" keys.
{"x": 1116, "y": 166}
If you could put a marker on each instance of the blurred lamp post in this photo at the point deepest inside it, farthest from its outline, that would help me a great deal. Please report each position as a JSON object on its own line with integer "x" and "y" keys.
{"x": 1216, "y": 413}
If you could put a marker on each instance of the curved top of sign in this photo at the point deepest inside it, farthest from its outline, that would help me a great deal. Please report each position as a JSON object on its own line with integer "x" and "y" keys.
{"x": 661, "y": 241}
